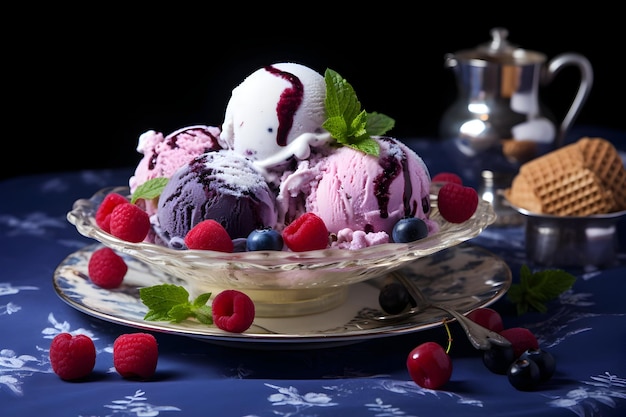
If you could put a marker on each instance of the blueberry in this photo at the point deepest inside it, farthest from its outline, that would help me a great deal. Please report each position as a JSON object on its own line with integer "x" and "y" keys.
{"x": 264, "y": 239}
{"x": 498, "y": 359}
{"x": 394, "y": 298}
{"x": 409, "y": 229}
{"x": 524, "y": 374}
{"x": 543, "y": 359}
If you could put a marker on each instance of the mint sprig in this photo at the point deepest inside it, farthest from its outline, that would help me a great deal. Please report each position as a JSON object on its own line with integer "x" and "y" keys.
{"x": 169, "y": 302}
{"x": 149, "y": 189}
{"x": 536, "y": 289}
{"x": 347, "y": 122}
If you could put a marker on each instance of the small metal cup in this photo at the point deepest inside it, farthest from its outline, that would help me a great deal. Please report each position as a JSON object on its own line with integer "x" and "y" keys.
{"x": 572, "y": 241}
{"x": 492, "y": 186}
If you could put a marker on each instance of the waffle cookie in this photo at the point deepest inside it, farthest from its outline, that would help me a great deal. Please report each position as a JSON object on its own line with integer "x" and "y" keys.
{"x": 584, "y": 178}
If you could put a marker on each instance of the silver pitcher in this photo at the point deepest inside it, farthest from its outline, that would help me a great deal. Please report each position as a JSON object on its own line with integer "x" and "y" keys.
{"x": 497, "y": 121}
{"x": 498, "y": 106}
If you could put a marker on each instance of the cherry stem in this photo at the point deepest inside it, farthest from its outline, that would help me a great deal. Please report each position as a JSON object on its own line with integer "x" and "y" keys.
{"x": 445, "y": 324}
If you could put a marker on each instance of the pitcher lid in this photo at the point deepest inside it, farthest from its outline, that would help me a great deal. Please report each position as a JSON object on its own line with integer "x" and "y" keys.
{"x": 500, "y": 51}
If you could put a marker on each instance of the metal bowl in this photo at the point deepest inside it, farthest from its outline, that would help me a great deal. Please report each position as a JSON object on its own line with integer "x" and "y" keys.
{"x": 572, "y": 241}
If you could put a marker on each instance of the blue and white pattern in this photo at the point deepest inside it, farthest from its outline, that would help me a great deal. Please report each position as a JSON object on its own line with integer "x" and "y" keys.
{"x": 584, "y": 329}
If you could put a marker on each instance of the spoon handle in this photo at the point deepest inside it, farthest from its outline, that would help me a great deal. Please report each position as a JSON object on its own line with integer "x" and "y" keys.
{"x": 479, "y": 336}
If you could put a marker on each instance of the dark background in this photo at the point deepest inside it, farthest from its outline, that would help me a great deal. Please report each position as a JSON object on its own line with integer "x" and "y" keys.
{"x": 82, "y": 87}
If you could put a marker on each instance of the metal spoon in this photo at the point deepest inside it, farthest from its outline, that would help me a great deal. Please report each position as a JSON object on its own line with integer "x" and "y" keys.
{"x": 479, "y": 336}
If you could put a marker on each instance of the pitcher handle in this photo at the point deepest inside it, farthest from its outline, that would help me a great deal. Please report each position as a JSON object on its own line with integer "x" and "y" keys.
{"x": 586, "y": 81}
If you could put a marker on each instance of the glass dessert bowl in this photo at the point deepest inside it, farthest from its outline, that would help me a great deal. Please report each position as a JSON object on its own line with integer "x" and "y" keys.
{"x": 282, "y": 283}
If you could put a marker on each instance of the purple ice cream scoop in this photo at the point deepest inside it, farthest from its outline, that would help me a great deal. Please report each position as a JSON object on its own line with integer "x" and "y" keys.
{"x": 220, "y": 185}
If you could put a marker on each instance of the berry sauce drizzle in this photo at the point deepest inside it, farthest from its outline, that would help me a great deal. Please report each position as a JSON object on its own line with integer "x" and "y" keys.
{"x": 289, "y": 103}
{"x": 392, "y": 167}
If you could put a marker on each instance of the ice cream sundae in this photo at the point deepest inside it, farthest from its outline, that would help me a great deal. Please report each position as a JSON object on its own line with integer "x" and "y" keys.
{"x": 292, "y": 141}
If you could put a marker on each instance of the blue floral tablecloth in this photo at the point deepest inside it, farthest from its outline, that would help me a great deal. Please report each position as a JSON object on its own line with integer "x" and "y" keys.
{"x": 585, "y": 329}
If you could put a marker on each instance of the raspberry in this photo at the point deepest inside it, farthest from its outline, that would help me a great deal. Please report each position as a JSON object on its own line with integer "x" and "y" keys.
{"x": 129, "y": 222}
{"x": 135, "y": 355}
{"x": 307, "y": 232}
{"x": 447, "y": 177}
{"x": 103, "y": 214}
{"x": 457, "y": 203}
{"x": 233, "y": 311}
{"x": 209, "y": 235}
{"x": 106, "y": 268}
{"x": 521, "y": 339}
{"x": 72, "y": 357}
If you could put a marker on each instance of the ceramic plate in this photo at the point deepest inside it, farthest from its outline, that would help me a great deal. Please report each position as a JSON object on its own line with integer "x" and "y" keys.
{"x": 463, "y": 277}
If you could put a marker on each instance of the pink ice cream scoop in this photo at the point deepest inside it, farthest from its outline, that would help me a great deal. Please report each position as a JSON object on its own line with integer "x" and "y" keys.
{"x": 162, "y": 156}
{"x": 358, "y": 194}
{"x": 220, "y": 185}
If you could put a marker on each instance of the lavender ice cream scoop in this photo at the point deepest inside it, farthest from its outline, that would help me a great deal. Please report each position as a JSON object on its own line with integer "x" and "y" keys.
{"x": 222, "y": 186}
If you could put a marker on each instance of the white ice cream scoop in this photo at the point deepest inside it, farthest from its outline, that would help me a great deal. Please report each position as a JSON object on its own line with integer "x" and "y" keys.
{"x": 277, "y": 112}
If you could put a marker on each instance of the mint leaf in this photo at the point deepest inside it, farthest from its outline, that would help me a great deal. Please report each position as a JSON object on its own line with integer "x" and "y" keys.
{"x": 179, "y": 312}
{"x": 161, "y": 298}
{"x": 149, "y": 189}
{"x": 204, "y": 314}
{"x": 379, "y": 124}
{"x": 346, "y": 121}
{"x": 536, "y": 289}
{"x": 168, "y": 302}
{"x": 368, "y": 145}
{"x": 341, "y": 98}
{"x": 202, "y": 299}
{"x": 153, "y": 315}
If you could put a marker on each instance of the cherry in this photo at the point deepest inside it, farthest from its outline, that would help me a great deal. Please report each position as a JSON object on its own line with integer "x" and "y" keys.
{"x": 488, "y": 318}
{"x": 429, "y": 365}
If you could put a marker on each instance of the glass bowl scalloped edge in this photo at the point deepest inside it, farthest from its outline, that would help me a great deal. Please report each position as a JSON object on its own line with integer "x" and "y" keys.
{"x": 281, "y": 270}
